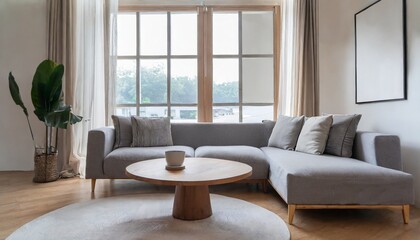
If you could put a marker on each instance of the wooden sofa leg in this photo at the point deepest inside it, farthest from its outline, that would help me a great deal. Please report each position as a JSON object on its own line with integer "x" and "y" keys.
{"x": 92, "y": 184}
{"x": 406, "y": 213}
{"x": 291, "y": 212}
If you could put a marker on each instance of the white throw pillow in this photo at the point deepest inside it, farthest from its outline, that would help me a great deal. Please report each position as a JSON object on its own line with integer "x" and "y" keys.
{"x": 314, "y": 135}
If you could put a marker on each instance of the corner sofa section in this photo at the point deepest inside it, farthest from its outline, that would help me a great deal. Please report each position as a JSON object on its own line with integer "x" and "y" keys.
{"x": 372, "y": 179}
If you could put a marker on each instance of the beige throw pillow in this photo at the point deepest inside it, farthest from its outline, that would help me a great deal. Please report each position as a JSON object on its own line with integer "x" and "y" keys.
{"x": 151, "y": 132}
{"x": 314, "y": 135}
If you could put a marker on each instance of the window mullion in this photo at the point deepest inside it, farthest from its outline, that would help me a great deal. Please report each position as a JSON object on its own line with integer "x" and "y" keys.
{"x": 201, "y": 116}
{"x": 276, "y": 53}
{"x": 138, "y": 87}
{"x": 240, "y": 64}
{"x": 205, "y": 65}
{"x": 168, "y": 59}
{"x": 209, "y": 64}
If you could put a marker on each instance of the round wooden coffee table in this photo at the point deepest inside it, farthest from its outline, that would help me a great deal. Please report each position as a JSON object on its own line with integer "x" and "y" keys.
{"x": 192, "y": 198}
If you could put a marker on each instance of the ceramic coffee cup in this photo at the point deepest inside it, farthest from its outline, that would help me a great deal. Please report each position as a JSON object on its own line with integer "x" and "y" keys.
{"x": 174, "y": 158}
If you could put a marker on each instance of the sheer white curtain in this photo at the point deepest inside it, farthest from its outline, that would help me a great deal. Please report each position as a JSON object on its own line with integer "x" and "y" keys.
{"x": 95, "y": 43}
{"x": 298, "y": 73}
{"x": 286, "y": 58}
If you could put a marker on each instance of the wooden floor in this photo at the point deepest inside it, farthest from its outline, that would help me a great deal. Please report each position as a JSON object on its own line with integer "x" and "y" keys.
{"x": 22, "y": 201}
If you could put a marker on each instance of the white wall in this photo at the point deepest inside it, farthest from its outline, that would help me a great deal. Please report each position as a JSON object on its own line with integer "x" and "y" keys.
{"x": 336, "y": 69}
{"x": 23, "y": 42}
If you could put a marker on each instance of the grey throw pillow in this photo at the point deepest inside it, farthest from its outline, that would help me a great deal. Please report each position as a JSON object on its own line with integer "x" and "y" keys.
{"x": 286, "y": 132}
{"x": 341, "y": 136}
{"x": 314, "y": 135}
{"x": 151, "y": 132}
{"x": 123, "y": 131}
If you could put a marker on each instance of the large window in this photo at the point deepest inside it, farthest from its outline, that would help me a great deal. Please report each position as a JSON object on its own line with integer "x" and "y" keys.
{"x": 157, "y": 65}
{"x": 168, "y": 61}
{"x": 243, "y": 68}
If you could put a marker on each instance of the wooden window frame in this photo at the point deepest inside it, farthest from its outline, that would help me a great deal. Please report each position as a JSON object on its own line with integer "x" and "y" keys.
{"x": 205, "y": 55}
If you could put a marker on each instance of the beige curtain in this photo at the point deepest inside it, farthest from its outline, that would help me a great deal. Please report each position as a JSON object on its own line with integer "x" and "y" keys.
{"x": 82, "y": 36}
{"x": 298, "y": 64}
{"x": 61, "y": 49}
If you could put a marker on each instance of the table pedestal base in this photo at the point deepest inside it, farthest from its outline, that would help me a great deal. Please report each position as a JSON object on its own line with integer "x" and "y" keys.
{"x": 192, "y": 203}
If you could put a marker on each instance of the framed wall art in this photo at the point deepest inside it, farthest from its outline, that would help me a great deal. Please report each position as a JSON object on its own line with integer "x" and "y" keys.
{"x": 380, "y": 38}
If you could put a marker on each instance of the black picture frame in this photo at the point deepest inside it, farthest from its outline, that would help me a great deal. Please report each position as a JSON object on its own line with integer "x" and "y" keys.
{"x": 381, "y": 52}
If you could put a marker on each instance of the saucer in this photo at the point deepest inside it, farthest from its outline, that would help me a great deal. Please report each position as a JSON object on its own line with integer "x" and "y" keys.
{"x": 174, "y": 168}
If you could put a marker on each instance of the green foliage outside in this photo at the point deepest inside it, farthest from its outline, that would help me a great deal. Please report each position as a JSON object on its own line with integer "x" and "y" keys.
{"x": 226, "y": 92}
{"x": 154, "y": 88}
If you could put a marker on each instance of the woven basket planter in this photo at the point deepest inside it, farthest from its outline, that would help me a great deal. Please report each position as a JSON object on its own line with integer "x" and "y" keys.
{"x": 45, "y": 168}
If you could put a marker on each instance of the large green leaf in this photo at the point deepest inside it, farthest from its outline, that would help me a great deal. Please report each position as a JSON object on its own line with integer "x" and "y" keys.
{"x": 61, "y": 117}
{"x": 75, "y": 118}
{"x": 14, "y": 91}
{"x": 47, "y": 88}
{"x": 41, "y": 105}
{"x": 38, "y": 94}
{"x": 56, "y": 83}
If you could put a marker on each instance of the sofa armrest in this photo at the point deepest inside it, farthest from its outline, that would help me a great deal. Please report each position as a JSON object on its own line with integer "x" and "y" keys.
{"x": 100, "y": 144}
{"x": 378, "y": 149}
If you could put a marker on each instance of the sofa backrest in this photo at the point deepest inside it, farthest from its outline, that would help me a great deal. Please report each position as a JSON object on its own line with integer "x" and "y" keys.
{"x": 220, "y": 134}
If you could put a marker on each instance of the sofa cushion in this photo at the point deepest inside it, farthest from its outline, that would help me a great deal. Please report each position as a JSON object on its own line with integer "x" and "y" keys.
{"x": 123, "y": 131}
{"x": 245, "y": 154}
{"x": 314, "y": 135}
{"x": 151, "y": 132}
{"x": 341, "y": 136}
{"x": 325, "y": 179}
{"x": 116, "y": 162}
{"x": 286, "y": 132}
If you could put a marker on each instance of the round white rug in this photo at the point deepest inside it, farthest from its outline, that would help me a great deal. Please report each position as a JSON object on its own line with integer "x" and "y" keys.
{"x": 149, "y": 216}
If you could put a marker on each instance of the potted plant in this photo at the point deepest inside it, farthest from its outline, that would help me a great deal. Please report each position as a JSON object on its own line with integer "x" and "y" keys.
{"x": 47, "y": 98}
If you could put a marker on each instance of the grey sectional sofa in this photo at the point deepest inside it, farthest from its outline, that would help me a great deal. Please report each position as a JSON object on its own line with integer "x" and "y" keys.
{"x": 371, "y": 179}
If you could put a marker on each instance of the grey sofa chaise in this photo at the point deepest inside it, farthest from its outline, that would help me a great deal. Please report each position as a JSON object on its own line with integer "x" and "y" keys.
{"x": 371, "y": 179}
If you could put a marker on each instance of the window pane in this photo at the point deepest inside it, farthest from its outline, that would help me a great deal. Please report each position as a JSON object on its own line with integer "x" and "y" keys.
{"x": 125, "y": 111}
{"x": 126, "y": 43}
{"x": 184, "y": 81}
{"x": 184, "y": 114}
{"x": 153, "y": 34}
{"x": 184, "y": 33}
{"x": 225, "y": 81}
{"x": 125, "y": 86}
{"x": 225, "y": 33}
{"x": 257, "y": 113}
{"x": 225, "y": 114}
{"x": 257, "y": 79}
{"x": 153, "y": 78}
{"x": 257, "y": 32}
{"x": 153, "y": 111}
